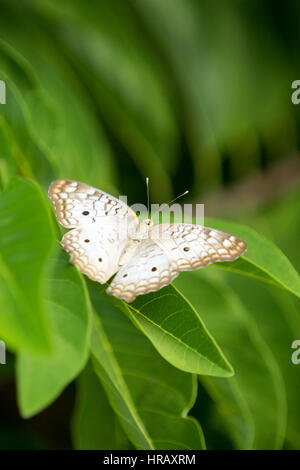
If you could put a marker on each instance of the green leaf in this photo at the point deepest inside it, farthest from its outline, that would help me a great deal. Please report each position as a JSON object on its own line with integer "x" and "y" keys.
{"x": 175, "y": 329}
{"x": 25, "y": 244}
{"x": 273, "y": 220}
{"x": 253, "y": 401}
{"x": 7, "y": 164}
{"x": 95, "y": 425}
{"x": 28, "y": 148}
{"x": 263, "y": 260}
{"x": 58, "y": 114}
{"x": 277, "y": 316}
{"x": 41, "y": 379}
{"x": 151, "y": 397}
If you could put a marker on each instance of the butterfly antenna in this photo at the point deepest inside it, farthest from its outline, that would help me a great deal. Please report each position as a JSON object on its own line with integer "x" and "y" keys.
{"x": 175, "y": 199}
{"x": 148, "y": 197}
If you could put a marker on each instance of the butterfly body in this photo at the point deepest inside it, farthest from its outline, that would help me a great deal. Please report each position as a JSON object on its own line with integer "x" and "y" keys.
{"x": 107, "y": 238}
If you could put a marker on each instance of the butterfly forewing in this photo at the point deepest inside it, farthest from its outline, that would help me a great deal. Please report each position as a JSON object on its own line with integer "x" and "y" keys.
{"x": 78, "y": 204}
{"x": 194, "y": 246}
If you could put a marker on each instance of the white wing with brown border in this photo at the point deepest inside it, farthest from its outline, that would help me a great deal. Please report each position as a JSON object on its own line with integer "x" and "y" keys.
{"x": 100, "y": 227}
{"x": 148, "y": 270}
{"x": 195, "y": 246}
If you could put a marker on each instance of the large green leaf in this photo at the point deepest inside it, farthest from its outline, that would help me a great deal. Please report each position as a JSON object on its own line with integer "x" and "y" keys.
{"x": 277, "y": 316}
{"x": 7, "y": 164}
{"x": 151, "y": 397}
{"x": 25, "y": 243}
{"x": 58, "y": 113}
{"x": 41, "y": 379}
{"x": 22, "y": 149}
{"x": 18, "y": 81}
{"x": 95, "y": 425}
{"x": 253, "y": 401}
{"x": 263, "y": 260}
{"x": 279, "y": 221}
{"x": 175, "y": 329}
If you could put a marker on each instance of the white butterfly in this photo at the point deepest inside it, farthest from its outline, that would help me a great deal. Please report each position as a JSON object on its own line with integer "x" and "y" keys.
{"x": 145, "y": 259}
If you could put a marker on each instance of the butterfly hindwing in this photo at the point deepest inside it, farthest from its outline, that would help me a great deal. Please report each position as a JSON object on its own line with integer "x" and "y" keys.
{"x": 149, "y": 269}
{"x": 95, "y": 250}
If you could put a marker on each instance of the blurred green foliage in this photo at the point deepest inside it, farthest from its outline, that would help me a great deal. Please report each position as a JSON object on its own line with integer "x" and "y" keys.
{"x": 193, "y": 94}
